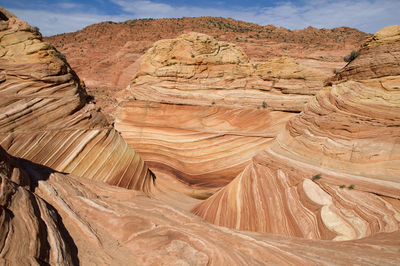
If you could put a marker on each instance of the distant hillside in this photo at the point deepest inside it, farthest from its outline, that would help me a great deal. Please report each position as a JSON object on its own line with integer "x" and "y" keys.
{"x": 96, "y": 48}
{"x": 105, "y": 55}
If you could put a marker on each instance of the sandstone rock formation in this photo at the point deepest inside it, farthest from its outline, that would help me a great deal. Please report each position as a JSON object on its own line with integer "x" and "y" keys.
{"x": 204, "y": 147}
{"x": 46, "y": 116}
{"x": 379, "y": 57}
{"x": 334, "y": 172}
{"x": 50, "y": 217}
{"x": 73, "y": 220}
{"x": 31, "y": 231}
{"x": 105, "y": 55}
{"x": 194, "y": 108}
{"x": 197, "y": 69}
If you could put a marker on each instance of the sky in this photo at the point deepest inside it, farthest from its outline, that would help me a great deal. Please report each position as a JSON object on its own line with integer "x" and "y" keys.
{"x": 59, "y": 16}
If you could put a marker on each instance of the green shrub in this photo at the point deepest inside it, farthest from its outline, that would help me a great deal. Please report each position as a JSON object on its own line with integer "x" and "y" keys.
{"x": 351, "y": 56}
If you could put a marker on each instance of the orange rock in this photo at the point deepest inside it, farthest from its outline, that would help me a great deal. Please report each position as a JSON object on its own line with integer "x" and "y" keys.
{"x": 204, "y": 147}
{"x": 80, "y": 221}
{"x": 46, "y": 116}
{"x": 196, "y": 69}
{"x": 334, "y": 172}
{"x": 210, "y": 128}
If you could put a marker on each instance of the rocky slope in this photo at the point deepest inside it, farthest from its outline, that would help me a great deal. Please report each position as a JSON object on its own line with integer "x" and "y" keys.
{"x": 106, "y": 55}
{"x": 334, "y": 171}
{"x": 46, "y": 116}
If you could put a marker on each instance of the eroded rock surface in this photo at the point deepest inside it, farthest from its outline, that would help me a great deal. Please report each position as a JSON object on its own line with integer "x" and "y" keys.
{"x": 198, "y": 110}
{"x": 197, "y": 149}
{"x": 378, "y": 57}
{"x": 334, "y": 172}
{"x": 50, "y": 217}
{"x": 196, "y": 69}
{"x": 83, "y": 221}
{"x": 46, "y": 116}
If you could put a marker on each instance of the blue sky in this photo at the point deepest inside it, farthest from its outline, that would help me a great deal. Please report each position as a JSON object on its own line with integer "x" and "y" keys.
{"x": 58, "y": 16}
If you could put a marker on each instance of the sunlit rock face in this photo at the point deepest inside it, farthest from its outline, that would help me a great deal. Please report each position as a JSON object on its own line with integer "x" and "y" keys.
{"x": 196, "y": 69}
{"x": 333, "y": 173}
{"x": 48, "y": 217}
{"x": 197, "y": 110}
{"x": 47, "y": 117}
{"x": 378, "y": 57}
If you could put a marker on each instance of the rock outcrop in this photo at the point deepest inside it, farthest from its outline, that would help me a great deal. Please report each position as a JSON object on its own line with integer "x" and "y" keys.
{"x": 196, "y": 69}
{"x": 194, "y": 108}
{"x": 47, "y": 117}
{"x": 378, "y": 57}
{"x": 201, "y": 147}
{"x": 31, "y": 231}
{"x": 69, "y": 220}
{"x": 105, "y": 55}
{"x": 334, "y": 172}
{"x": 51, "y": 217}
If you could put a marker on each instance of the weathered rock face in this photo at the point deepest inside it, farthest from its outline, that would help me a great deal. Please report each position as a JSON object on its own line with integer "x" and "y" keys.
{"x": 334, "y": 172}
{"x": 71, "y": 220}
{"x": 204, "y": 147}
{"x": 196, "y": 69}
{"x": 105, "y": 54}
{"x": 49, "y": 217}
{"x": 45, "y": 115}
{"x": 379, "y": 57}
{"x": 195, "y": 105}
{"x": 31, "y": 230}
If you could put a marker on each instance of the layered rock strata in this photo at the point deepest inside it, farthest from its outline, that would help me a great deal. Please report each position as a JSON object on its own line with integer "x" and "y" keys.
{"x": 204, "y": 147}
{"x": 333, "y": 173}
{"x": 378, "y": 57}
{"x": 198, "y": 110}
{"x": 46, "y": 116}
{"x": 74, "y": 220}
{"x": 196, "y": 69}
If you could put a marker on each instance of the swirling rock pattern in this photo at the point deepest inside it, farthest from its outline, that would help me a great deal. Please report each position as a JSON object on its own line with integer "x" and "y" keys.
{"x": 46, "y": 117}
{"x": 196, "y": 69}
{"x": 204, "y": 147}
{"x": 194, "y": 108}
{"x": 78, "y": 214}
{"x": 334, "y": 172}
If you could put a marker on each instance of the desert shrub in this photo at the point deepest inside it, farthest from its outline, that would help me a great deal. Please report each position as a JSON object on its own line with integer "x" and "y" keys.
{"x": 264, "y": 104}
{"x": 351, "y": 56}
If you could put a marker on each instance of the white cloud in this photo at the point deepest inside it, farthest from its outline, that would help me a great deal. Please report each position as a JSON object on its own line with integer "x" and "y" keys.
{"x": 68, "y": 5}
{"x": 51, "y": 23}
{"x": 366, "y": 15}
